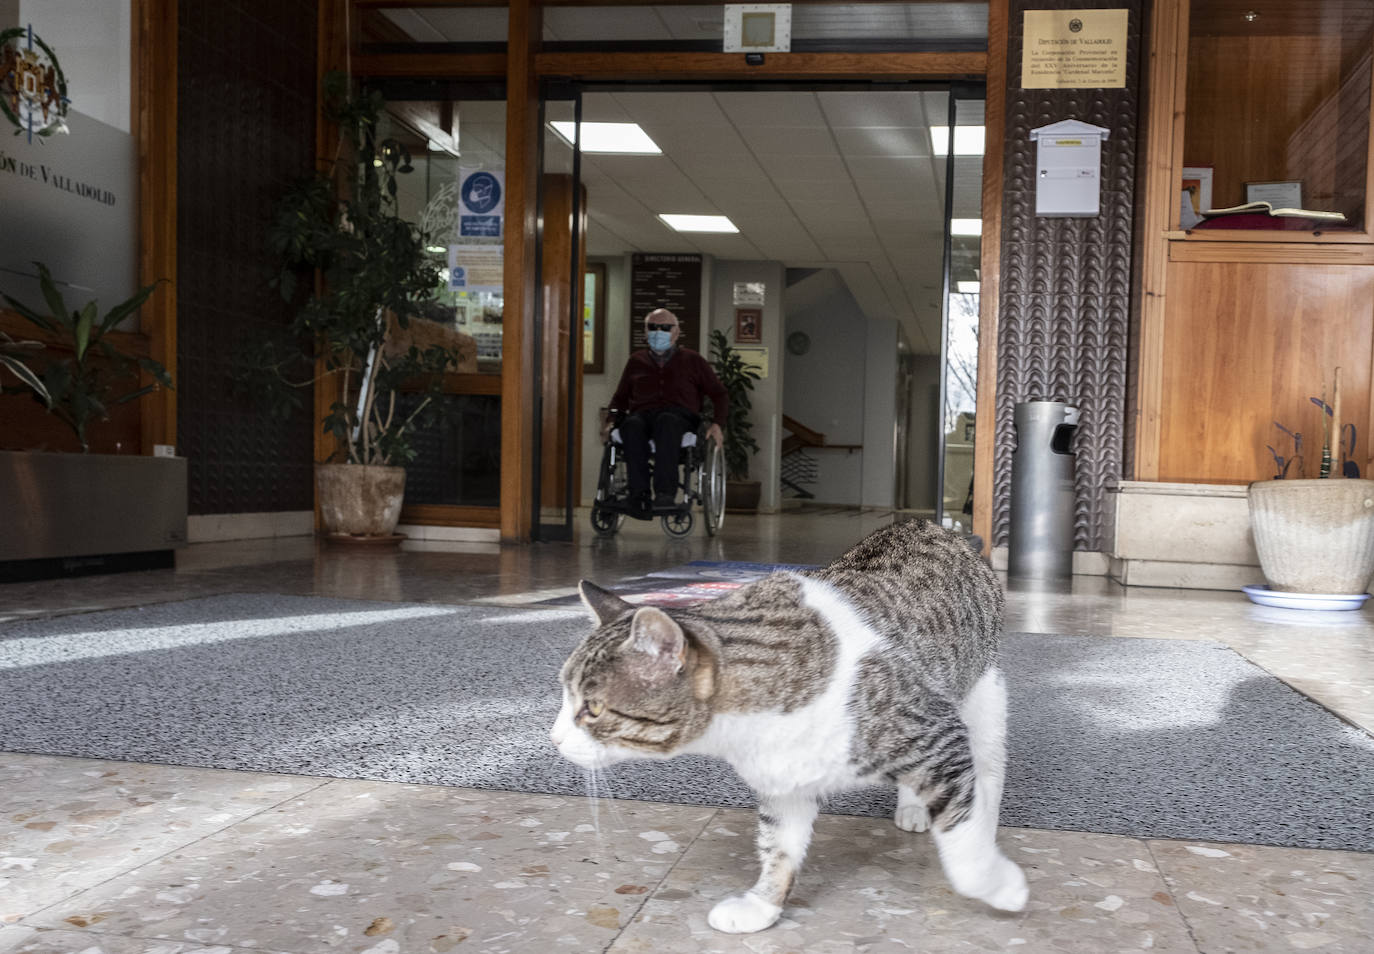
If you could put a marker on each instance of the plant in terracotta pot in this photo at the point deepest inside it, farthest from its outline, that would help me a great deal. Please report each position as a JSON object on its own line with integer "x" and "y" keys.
{"x": 352, "y": 332}
{"x": 1316, "y": 535}
{"x": 739, "y": 445}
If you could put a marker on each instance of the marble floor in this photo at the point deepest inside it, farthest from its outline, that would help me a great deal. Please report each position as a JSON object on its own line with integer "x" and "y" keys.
{"x": 125, "y": 858}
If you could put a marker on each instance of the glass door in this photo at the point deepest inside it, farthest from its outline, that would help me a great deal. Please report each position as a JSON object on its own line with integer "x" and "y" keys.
{"x": 959, "y": 347}
{"x": 558, "y": 335}
{"x": 451, "y": 139}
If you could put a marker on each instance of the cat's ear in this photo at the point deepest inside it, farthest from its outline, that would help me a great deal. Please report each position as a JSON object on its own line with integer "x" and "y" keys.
{"x": 656, "y": 634}
{"x": 604, "y": 604}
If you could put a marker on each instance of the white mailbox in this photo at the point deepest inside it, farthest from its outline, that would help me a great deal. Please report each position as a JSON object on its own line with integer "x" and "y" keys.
{"x": 1068, "y": 168}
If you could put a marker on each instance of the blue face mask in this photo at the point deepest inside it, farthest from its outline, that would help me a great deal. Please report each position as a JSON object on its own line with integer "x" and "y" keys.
{"x": 660, "y": 341}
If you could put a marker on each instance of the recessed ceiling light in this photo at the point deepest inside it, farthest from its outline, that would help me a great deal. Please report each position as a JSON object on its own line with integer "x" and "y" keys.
{"x": 967, "y": 288}
{"x": 965, "y": 226}
{"x": 698, "y": 223}
{"x": 625, "y": 139}
{"x": 968, "y": 140}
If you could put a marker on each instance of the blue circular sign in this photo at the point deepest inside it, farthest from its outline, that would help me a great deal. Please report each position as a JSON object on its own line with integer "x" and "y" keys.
{"x": 481, "y": 192}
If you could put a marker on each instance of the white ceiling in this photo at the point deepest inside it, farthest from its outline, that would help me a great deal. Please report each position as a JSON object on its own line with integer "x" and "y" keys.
{"x": 813, "y": 179}
{"x": 827, "y": 179}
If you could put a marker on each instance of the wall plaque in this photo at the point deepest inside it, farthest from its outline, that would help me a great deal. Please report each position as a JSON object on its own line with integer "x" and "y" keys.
{"x": 1074, "y": 49}
{"x": 666, "y": 281}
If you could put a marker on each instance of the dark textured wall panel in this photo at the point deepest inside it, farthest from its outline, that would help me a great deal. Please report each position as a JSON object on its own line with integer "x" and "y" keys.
{"x": 1066, "y": 283}
{"x": 245, "y": 129}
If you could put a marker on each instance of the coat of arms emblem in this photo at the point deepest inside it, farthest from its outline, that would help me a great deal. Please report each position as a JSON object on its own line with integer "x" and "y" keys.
{"x": 33, "y": 90}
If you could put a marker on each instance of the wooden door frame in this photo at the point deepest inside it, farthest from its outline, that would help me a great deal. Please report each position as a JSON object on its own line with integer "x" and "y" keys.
{"x": 523, "y": 67}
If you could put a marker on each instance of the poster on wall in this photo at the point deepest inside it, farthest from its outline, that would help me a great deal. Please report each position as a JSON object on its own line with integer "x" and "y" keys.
{"x": 481, "y": 203}
{"x": 1074, "y": 49}
{"x": 69, "y": 179}
{"x": 662, "y": 280}
{"x": 476, "y": 268}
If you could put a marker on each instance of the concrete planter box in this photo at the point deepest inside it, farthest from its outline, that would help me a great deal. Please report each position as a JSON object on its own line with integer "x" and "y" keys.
{"x": 1192, "y": 536}
{"x": 80, "y": 507}
{"x": 1314, "y": 536}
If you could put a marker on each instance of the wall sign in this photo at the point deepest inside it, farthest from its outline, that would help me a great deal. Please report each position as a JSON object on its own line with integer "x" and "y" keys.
{"x": 1074, "y": 49}
{"x": 481, "y": 203}
{"x": 69, "y": 181}
{"x": 666, "y": 281}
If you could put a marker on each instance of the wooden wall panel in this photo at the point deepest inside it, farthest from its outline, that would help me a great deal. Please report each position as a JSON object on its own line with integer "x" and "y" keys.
{"x": 1250, "y": 116}
{"x": 1248, "y": 344}
{"x": 517, "y": 345}
{"x": 559, "y": 335}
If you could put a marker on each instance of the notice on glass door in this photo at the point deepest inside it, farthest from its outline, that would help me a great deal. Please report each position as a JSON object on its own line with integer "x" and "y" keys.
{"x": 1074, "y": 49}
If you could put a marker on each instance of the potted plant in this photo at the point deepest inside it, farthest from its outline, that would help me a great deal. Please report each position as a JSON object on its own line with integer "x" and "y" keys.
{"x": 741, "y": 493}
{"x": 94, "y": 375}
{"x": 351, "y": 331}
{"x": 66, "y": 513}
{"x": 1316, "y": 535}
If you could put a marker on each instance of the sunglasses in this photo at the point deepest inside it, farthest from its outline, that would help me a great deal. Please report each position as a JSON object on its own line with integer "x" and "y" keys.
{"x": 662, "y": 327}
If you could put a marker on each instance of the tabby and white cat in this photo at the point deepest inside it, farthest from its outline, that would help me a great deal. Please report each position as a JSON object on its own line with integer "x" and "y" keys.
{"x": 879, "y": 668}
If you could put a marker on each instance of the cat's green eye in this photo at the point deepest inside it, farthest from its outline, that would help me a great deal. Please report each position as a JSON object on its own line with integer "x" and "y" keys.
{"x": 593, "y": 709}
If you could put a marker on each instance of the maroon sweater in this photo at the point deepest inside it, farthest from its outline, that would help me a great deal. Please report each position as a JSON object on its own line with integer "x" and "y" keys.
{"x": 683, "y": 380}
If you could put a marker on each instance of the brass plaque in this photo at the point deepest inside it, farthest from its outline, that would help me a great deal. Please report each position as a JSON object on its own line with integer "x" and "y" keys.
{"x": 1074, "y": 49}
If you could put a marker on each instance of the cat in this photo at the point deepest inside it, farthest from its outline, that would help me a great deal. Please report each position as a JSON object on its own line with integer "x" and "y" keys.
{"x": 879, "y": 668}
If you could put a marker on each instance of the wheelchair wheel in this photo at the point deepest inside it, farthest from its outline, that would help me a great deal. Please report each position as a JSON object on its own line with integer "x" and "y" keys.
{"x": 604, "y": 522}
{"x": 610, "y": 482}
{"x": 678, "y": 524}
{"x": 713, "y": 488}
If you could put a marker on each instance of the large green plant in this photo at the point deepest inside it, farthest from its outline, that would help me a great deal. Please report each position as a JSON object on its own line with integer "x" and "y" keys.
{"x": 93, "y": 374}
{"x": 738, "y": 379}
{"x": 374, "y": 276}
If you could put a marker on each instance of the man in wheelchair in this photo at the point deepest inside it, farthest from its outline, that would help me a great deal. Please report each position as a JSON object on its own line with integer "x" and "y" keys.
{"x": 659, "y": 398}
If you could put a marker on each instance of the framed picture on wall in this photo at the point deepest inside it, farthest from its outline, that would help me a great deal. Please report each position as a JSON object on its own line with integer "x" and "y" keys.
{"x": 1195, "y": 195}
{"x": 749, "y": 325}
{"x": 594, "y": 318}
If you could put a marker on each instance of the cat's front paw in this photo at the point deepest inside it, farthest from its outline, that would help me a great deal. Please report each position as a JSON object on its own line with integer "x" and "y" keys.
{"x": 743, "y": 914}
{"x": 911, "y": 815}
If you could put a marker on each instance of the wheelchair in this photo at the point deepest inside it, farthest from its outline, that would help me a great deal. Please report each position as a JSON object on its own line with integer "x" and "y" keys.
{"x": 701, "y": 481}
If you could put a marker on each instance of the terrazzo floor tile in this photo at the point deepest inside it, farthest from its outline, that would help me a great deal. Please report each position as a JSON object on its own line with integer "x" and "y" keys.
{"x": 69, "y": 824}
{"x": 869, "y": 887}
{"x": 1242, "y": 898}
{"x": 15, "y": 939}
{"x": 384, "y": 868}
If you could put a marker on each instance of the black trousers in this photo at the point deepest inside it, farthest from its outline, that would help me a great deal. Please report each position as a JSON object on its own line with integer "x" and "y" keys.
{"x": 665, "y": 427}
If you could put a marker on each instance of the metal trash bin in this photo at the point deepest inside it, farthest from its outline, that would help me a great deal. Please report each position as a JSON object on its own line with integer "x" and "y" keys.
{"x": 1042, "y": 472}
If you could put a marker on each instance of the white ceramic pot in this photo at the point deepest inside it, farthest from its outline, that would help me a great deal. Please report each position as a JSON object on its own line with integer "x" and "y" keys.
{"x": 360, "y": 499}
{"x": 1314, "y": 536}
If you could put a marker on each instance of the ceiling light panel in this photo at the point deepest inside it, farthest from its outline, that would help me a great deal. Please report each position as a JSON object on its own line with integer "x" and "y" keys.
{"x": 968, "y": 140}
{"x": 620, "y": 139}
{"x": 697, "y": 223}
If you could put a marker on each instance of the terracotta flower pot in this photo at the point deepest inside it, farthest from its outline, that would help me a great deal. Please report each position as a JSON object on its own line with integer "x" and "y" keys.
{"x": 742, "y": 496}
{"x": 360, "y": 500}
{"x": 1314, "y": 536}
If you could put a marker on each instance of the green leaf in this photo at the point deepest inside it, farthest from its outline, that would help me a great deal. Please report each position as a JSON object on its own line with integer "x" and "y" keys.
{"x": 33, "y": 316}
{"x": 50, "y": 292}
{"x": 22, "y": 372}
{"x": 82, "y": 332}
{"x": 121, "y": 311}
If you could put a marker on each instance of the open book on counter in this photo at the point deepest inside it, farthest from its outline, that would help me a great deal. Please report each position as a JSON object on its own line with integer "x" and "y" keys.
{"x": 1266, "y": 208}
